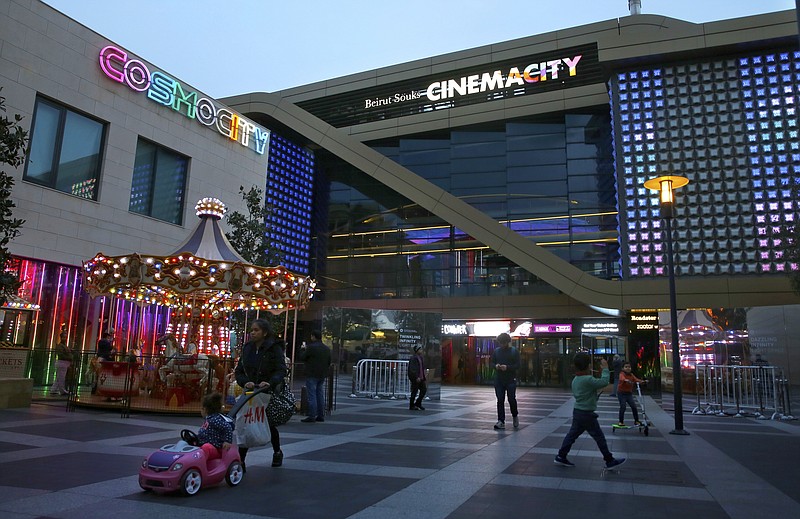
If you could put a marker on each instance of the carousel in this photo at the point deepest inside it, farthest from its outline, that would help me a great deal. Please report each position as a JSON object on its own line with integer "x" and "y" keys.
{"x": 202, "y": 284}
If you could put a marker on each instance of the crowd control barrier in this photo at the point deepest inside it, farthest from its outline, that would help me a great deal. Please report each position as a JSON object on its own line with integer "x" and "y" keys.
{"x": 373, "y": 378}
{"x": 760, "y": 391}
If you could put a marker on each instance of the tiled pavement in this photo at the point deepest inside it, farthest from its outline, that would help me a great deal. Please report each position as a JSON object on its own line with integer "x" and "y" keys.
{"x": 376, "y": 459}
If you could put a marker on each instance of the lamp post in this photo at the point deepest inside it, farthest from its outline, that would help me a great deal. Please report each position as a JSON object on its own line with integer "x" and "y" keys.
{"x": 666, "y": 185}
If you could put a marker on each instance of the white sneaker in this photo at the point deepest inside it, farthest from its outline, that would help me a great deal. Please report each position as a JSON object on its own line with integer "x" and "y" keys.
{"x": 500, "y": 425}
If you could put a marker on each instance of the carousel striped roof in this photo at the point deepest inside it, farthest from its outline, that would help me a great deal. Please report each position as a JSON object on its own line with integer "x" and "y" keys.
{"x": 207, "y": 240}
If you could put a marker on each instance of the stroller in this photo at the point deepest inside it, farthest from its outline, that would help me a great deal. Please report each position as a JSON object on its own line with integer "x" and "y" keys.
{"x": 645, "y": 423}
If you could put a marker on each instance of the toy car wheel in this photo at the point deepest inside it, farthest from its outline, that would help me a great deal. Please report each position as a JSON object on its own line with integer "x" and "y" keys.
{"x": 235, "y": 474}
{"x": 191, "y": 482}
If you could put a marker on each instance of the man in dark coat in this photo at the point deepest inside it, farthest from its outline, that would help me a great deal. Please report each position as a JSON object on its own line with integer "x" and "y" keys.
{"x": 416, "y": 374}
{"x": 317, "y": 358}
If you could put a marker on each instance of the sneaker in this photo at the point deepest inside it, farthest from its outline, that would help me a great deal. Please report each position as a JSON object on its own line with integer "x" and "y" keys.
{"x": 419, "y": 406}
{"x": 500, "y": 425}
{"x": 244, "y": 467}
{"x": 637, "y": 423}
{"x": 564, "y": 462}
{"x": 320, "y": 419}
{"x": 308, "y": 419}
{"x": 616, "y": 462}
{"x": 620, "y": 424}
{"x": 277, "y": 459}
{"x": 516, "y": 422}
{"x": 413, "y": 408}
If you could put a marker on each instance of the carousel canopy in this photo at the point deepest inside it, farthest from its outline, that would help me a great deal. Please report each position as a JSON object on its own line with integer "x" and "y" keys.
{"x": 205, "y": 272}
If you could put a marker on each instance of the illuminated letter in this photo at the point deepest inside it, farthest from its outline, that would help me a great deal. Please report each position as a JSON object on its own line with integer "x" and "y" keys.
{"x": 109, "y": 54}
{"x": 180, "y": 97}
{"x": 224, "y": 120}
{"x": 261, "y": 138}
{"x": 247, "y": 129}
{"x": 137, "y": 76}
{"x": 572, "y": 63}
{"x": 458, "y": 87}
{"x": 554, "y": 68}
{"x": 514, "y": 78}
{"x": 491, "y": 82}
{"x": 527, "y": 73}
{"x": 161, "y": 88}
{"x": 472, "y": 84}
{"x": 433, "y": 91}
{"x": 234, "y": 136}
{"x": 206, "y": 111}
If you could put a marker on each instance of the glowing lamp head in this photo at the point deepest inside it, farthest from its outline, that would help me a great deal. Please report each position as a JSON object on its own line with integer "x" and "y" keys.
{"x": 666, "y": 186}
{"x": 212, "y": 207}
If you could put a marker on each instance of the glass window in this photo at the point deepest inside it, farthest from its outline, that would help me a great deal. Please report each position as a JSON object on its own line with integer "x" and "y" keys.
{"x": 159, "y": 182}
{"x": 66, "y": 150}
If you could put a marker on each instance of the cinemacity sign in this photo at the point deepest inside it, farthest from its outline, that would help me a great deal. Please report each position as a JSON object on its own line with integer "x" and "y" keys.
{"x": 162, "y": 89}
{"x": 539, "y": 72}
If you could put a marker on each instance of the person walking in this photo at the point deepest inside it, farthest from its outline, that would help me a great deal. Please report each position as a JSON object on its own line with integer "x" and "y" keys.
{"x": 416, "y": 374}
{"x": 64, "y": 357}
{"x": 584, "y": 418}
{"x": 261, "y": 364}
{"x": 505, "y": 359}
{"x": 317, "y": 359}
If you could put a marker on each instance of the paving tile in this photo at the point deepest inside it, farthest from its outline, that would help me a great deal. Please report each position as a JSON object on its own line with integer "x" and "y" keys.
{"x": 390, "y": 455}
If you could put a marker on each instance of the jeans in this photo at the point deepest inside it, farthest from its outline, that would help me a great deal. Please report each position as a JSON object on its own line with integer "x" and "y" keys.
{"x": 315, "y": 392}
{"x": 61, "y": 376}
{"x": 500, "y": 390}
{"x": 626, "y": 399}
{"x": 421, "y": 387}
{"x": 585, "y": 421}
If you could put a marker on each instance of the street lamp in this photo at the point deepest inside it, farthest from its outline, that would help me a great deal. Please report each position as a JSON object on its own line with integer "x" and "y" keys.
{"x": 666, "y": 185}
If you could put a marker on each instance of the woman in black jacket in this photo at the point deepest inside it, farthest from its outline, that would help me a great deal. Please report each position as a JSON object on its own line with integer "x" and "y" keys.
{"x": 262, "y": 363}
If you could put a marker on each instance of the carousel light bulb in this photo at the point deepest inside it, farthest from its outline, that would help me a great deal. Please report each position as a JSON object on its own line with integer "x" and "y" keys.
{"x": 251, "y": 270}
{"x": 211, "y": 279}
{"x": 123, "y": 260}
{"x": 223, "y": 266}
{"x": 149, "y": 261}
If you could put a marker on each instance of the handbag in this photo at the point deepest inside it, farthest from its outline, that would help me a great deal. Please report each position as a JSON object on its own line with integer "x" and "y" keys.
{"x": 281, "y": 407}
{"x": 252, "y": 429}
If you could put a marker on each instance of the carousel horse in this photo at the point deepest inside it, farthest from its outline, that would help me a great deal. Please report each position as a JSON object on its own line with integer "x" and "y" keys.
{"x": 184, "y": 370}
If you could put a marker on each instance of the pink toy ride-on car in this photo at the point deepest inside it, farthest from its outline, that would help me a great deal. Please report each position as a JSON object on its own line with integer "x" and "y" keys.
{"x": 182, "y": 466}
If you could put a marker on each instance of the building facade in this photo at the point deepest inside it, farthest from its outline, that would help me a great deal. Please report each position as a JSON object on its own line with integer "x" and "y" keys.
{"x": 515, "y": 177}
{"x": 501, "y": 186}
{"x": 120, "y": 152}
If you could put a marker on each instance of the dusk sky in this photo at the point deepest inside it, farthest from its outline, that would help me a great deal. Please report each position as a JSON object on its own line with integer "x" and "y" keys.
{"x": 238, "y": 46}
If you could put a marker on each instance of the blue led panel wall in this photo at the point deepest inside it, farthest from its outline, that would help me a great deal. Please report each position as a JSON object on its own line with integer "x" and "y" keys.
{"x": 731, "y": 127}
{"x": 290, "y": 184}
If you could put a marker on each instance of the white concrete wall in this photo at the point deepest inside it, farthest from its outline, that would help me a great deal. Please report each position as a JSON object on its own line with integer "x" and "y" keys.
{"x": 44, "y": 52}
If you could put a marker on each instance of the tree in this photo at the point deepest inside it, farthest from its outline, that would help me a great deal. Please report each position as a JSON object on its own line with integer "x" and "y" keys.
{"x": 13, "y": 149}
{"x": 249, "y": 234}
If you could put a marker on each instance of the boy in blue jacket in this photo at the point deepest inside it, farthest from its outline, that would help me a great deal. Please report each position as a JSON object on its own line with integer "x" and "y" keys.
{"x": 584, "y": 418}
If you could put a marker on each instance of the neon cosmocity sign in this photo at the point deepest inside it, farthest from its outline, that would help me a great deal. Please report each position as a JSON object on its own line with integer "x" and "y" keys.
{"x": 486, "y": 82}
{"x": 162, "y": 89}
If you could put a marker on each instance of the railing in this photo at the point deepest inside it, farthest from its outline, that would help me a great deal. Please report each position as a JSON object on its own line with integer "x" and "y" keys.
{"x": 151, "y": 383}
{"x": 761, "y": 391}
{"x": 374, "y": 378}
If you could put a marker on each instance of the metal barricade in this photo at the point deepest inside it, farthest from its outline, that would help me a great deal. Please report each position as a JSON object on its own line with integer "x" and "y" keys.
{"x": 375, "y": 378}
{"x": 759, "y": 391}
